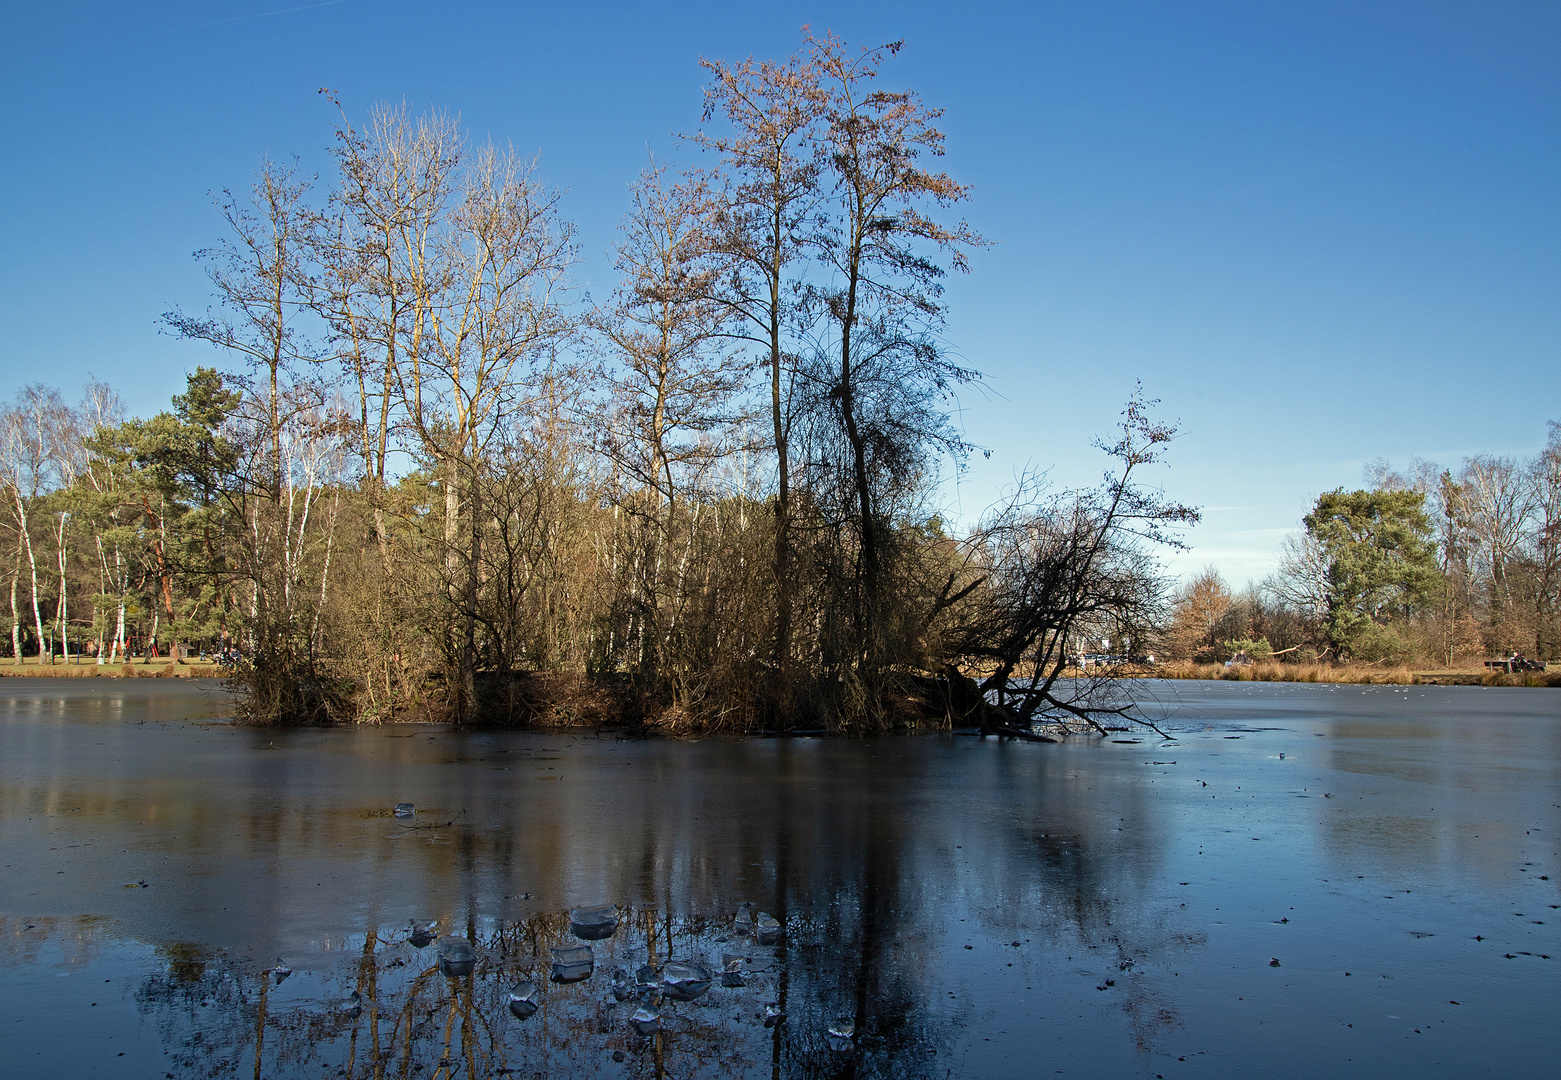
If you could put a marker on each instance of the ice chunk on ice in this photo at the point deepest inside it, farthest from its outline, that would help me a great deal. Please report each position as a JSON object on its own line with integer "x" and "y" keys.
{"x": 456, "y": 957}
{"x": 524, "y": 999}
{"x": 743, "y": 924}
{"x": 423, "y": 934}
{"x": 646, "y": 1020}
{"x": 622, "y": 986}
{"x": 593, "y": 923}
{"x": 773, "y": 1014}
{"x": 405, "y": 809}
{"x": 840, "y": 1036}
{"x": 767, "y": 929}
{"x": 352, "y": 1006}
{"x": 685, "y": 980}
{"x": 732, "y": 970}
{"x": 573, "y": 963}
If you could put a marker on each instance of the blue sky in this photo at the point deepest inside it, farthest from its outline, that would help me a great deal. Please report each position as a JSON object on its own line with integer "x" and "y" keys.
{"x": 1320, "y": 232}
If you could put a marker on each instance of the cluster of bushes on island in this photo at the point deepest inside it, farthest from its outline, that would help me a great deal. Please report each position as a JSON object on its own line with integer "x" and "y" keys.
{"x": 432, "y": 479}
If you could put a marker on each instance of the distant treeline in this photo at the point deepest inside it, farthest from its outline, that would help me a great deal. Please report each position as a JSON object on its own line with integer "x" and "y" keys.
{"x": 431, "y": 477}
{"x": 1426, "y": 566}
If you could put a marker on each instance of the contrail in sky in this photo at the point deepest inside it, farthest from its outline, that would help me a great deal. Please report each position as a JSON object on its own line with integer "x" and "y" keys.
{"x": 257, "y": 15}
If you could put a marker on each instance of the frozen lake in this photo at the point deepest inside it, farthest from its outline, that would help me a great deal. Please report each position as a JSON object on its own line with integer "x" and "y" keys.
{"x": 1305, "y": 881}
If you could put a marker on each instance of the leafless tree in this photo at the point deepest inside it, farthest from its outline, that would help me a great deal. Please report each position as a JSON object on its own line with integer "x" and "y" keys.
{"x": 880, "y": 382}
{"x": 1497, "y": 501}
{"x": 766, "y": 192}
{"x": 673, "y": 382}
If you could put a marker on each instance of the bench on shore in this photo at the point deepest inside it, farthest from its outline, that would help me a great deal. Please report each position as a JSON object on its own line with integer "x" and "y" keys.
{"x": 1514, "y": 664}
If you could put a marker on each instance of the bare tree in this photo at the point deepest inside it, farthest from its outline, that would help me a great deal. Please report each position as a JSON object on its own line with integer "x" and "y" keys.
{"x": 880, "y": 386}
{"x": 673, "y": 380}
{"x": 493, "y": 311}
{"x": 1497, "y": 500}
{"x": 1199, "y": 609}
{"x": 381, "y": 274}
{"x": 29, "y": 461}
{"x": 1051, "y": 569}
{"x": 1544, "y": 541}
{"x": 767, "y": 190}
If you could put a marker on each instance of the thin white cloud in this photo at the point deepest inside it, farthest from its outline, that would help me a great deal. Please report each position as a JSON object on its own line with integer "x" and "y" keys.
{"x": 256, "y": 15}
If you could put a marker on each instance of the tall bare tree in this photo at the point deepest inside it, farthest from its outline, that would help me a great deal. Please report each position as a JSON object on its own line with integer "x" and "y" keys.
{"x": 31, "y": 434}
{"x": 882, "y": 383}
{"x": 1545, "y": 541}
{"x": 1497, "y": 501}
{"x": 672, "y": 378}
{"x": 493, "y": 312}
{"x": 766, "y": 193}
{"x": 382, "y": 274}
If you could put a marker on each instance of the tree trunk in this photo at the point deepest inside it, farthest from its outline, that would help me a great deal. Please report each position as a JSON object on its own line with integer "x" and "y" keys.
{"x": 32, "y": 563}
{"x": 16, "y": 620}
{"x": 64, "y": 614}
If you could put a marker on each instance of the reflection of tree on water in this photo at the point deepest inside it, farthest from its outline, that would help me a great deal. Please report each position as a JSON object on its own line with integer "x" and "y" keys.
{"x": 870, "y": 957}
{"x": 873, "y": 855}
{"x": 218, "y": 1017}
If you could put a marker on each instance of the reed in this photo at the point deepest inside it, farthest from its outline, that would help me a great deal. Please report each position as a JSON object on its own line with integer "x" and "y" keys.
{"x": 1274, "y": 671}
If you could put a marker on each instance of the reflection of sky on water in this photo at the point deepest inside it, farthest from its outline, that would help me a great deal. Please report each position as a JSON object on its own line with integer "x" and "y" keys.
{"x": 1147, "y": 887}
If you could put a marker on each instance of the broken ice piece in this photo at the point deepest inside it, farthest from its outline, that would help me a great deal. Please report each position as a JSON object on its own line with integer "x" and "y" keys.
{"x": 593, "y": 923}
{"x": 281, "y": 971}
{"x": 622, "y": 988}
{"x": 423, "y": 934}
{"x": 773, "y": 1014}
{"x": 768, "y": 929}
{"x": 843, "y": 1029}
{"x": 685, "y": 980}
{"x": 405, "y": 809}
{"x": 732, "y": 971}
{"x": 646, "y": 1020}
{"x": 524, "y": 999}
{"x": 743, "y": 924}
{"x": 573, "y": 963}
{"x": 456, "y": 957}
{"x": 352, "y": 1006}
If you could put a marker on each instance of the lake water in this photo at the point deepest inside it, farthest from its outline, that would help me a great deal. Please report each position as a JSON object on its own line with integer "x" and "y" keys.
{"x": 1303, "y": 881}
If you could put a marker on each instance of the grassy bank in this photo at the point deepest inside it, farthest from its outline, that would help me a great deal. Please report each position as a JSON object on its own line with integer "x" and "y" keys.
{"x": 157, "y": 669}
{"x": 1358, "y": 674}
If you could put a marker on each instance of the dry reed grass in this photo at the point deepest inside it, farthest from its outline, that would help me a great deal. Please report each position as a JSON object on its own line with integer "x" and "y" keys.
{"x": 1273, "y": 671}
{"x": 1357, "y": 674}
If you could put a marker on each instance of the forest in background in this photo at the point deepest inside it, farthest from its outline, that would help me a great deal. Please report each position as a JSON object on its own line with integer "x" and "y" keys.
{"x": 431, "y": 479}
{"x": 1428, "y": 566}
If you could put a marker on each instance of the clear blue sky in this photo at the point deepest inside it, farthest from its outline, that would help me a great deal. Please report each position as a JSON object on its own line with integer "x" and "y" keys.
{"x": 1320, "y": 232}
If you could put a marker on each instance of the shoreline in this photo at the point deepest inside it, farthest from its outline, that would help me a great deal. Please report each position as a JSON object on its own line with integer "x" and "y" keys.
{"x": 1289, "y": 673}
{"x": 1350, "y": 676}
{"x": 162, "y": 669}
